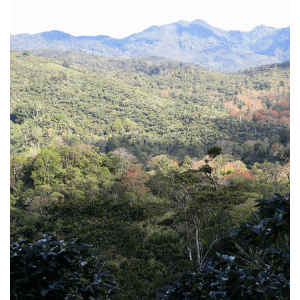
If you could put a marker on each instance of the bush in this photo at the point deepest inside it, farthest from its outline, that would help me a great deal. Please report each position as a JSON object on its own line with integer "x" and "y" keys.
{"x": 50, "y": 268}
{"x": 262, "y": 274}
{"x": 26, "y": 52}
{"x": 66, "y": 64}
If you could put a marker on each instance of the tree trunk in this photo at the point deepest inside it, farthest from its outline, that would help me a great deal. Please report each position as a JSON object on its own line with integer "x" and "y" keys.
{"x": 198, "y": 249}
{"x": 210, "y": 176}
{"x": 190, "y": 253}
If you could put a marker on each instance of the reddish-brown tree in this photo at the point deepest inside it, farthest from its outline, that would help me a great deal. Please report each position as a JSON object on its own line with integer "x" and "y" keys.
{"x": 242, "y": 172}
{"x": 135, "y": 179}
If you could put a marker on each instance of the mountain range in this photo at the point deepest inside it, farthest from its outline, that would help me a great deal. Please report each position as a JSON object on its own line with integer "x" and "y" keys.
{"x": 193, "y": 42}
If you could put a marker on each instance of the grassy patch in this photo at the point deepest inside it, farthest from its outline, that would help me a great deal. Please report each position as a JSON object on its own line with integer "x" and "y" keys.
{"x": 152, "y": 226}
{"x": 249, "y": 204}
{"x": 244, "y": 211}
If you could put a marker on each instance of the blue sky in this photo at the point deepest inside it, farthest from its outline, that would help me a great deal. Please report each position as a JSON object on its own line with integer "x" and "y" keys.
{"x": 120, "y": 18}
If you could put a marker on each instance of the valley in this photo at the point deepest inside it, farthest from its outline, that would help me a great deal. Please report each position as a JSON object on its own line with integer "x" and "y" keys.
{"x": 150, "y": 168}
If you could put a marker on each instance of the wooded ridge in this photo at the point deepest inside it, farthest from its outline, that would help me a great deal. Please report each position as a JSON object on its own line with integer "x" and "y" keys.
{"x": 194, "y": 42}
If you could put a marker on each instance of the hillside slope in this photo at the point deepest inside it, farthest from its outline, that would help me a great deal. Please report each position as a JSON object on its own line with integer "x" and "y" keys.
{"x": 177, "y": 109}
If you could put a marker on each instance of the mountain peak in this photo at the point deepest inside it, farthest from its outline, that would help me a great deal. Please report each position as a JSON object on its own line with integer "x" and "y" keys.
{"x": 186, "y": 23}
{"x": 56, "y": 35}
{"x": 200, "y": 22}
{"x": 263, "y": 26}
{"x": 193, "y": 42}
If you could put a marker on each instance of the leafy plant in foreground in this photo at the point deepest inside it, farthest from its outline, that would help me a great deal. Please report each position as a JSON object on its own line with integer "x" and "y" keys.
{"x": 50, "y": 268}
{"x": 226, "y": 277}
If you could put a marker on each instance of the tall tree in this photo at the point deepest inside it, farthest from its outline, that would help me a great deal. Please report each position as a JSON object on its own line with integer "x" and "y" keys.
{"x": 46, "y": 168}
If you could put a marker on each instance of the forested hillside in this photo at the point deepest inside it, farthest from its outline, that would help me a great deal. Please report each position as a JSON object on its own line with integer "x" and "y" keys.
{"x": 194, "y": 42}
{"x": 140, "y": 169}
{"x": 147, "y": 227}
{"x": 179, "y": 105}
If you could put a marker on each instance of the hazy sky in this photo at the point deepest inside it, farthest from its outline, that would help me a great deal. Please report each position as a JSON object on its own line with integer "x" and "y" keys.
{"x": 120, "y": 18}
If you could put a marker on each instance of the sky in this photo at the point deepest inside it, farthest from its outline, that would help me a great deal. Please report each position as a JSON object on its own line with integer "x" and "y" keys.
{"x": 121, "y": 18}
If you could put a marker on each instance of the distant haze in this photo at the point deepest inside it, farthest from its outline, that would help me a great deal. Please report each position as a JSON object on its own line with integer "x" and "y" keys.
{"x": 193, "y": 42}
{"x": 119, "y": 18}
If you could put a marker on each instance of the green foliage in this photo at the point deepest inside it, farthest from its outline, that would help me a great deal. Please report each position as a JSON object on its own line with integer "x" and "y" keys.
{"x": 187, "y": 162}
{"x": 21, "y": 113}
{"x": 26, "y": 52}
{"x": 285, "y": 136}
{"x": 226, "y": 277}
{"x": 274, "y": 226}
{"x": 138, "y": 260}
{"x": 46, "y": 168}
{"x": 58, "y": 118}
{"x": 116, "y": 105}
{"x": 148, "y": 240}
{"x": 66, "y": 64}
{"x": 80, "y": 155}
{"x": 62, "y": 173}
{"x": 206, "y": 169}
{"x": 51, "y": 268}
{"x": 214, "y": 151}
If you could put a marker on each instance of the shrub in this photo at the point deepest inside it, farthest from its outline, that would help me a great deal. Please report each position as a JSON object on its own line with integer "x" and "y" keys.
{"x": 26, "y": 52}
{"x": 262, "y": 274}
{"x": 50, "y": 268}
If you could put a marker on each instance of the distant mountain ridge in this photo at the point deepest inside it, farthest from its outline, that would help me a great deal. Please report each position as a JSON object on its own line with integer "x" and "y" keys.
{"x": 194, "y": 42}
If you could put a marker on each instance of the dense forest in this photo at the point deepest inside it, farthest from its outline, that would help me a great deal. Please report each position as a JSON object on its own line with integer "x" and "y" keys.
{"x": 115, "y": 103}
{"x": 137, "y": 179}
